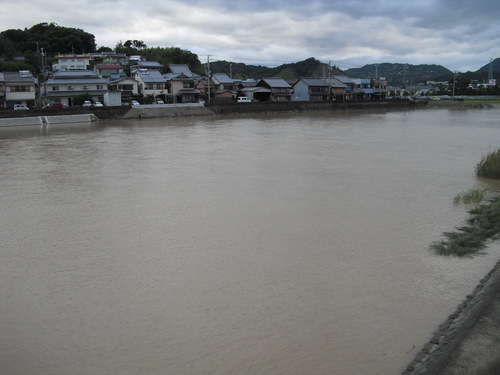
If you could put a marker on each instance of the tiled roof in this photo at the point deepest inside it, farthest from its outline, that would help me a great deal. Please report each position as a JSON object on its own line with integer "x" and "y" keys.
{"x": 345, "y": 79}
{"x": 222, "y": 78}
{"x": 149, "y": 64}
{"x": 18, "y": 77}
{"x": 315, "y": 81}
{"x": 276, "y": 82}
{"x": 181, "y": 69}
{"x": 151, "y": 76}
{"x": 108, "y": 66}
{"x": 75, "y": 74}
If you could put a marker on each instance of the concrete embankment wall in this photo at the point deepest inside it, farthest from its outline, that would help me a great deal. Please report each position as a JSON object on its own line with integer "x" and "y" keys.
{"x": 46, "y": 120}
{"x": 81, "y": 114}
{"x": 167, "y": 110}
{"x": 270, "y": 107}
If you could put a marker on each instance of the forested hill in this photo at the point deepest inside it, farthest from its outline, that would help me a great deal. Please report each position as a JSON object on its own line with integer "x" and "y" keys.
{"x": 402, "y": 73}
{"x": 22, "y": 50}
{"x": 289, "y": 72}
{"x": 52, "y": 39}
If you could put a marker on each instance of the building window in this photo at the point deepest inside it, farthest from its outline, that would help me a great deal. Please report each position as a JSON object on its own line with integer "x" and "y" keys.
{"x": 70, "y": 88}
{"x": 85, "y": 87}
{"x": 149, "y": 86}
{"x": 159, "y": 86}
{"x": 55, "y": 88}
{"x": 99, "y": 87}
{"x": 188, "y": 85}
{"x": 19, "y": 88}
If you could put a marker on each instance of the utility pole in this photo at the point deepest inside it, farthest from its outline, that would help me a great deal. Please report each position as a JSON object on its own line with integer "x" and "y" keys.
{"x": 490, "y": 71}
{"x": 453, "y": 94}
{"x": 208, "y": 77}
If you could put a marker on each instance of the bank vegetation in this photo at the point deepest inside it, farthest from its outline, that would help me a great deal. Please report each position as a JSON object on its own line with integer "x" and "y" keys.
{"x": 483, "y": 224}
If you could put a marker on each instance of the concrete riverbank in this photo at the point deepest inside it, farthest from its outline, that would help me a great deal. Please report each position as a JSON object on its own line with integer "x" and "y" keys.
{"x": 468, "y": 342}
{"x": 39, "y": 116}
{"x": 47, "y": 116}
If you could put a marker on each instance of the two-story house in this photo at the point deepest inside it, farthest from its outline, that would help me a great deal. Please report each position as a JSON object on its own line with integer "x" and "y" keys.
{"x": 281, "y": 91}
{"x": 311, "y": 89}
{"x": 109, "y": 58}
{"x": 109, "y": 70}
{"x": 148, "y": 65}
{"x": 64, "y": 86}
{"x": 379, "y": 86}
{"x": 128, "y": 87}
{"x": 337, "y": 89}
{"x": 205, "y": 87}
{"x": 181, "y": 83}
{"x": 17, "y": 88}
{"x": 349, "y": 87}
{"x": 151, "y": 83}
{"x": 72, "y": 62}
{"x": 225, "y": 88}
{"x": 2, "y": 92}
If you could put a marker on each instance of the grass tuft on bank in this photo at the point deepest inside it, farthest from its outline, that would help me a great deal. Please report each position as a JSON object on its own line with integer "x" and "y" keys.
{"x": 489, "y": 166}
{"x": 483, "y": 225}
{"x": 471, "y": 196}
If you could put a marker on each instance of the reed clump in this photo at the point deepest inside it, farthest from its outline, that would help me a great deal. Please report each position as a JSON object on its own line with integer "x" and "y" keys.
{"x": 482, "y": 226}
{"x": 489, "y": 166}
{"x": 471, "y": 196}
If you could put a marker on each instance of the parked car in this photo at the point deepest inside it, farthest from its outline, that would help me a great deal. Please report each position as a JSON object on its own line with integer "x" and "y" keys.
{"x": 55, "y": 105}
{"x": 98, "y": 104}
{"x": 134, "y": 102}
{"x": 243, "y": 99}
{"x": 20, "y": 107}
{"x": 159, "y": 101}
{"x": 87, "y": 103}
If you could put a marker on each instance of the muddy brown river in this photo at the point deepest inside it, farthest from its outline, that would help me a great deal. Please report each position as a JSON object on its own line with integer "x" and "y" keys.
{"x": 290, "y": 244}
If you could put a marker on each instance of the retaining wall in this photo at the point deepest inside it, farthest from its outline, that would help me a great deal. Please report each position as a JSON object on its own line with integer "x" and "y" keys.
{"x": 167, "y": 110}
{"x": 46, "y": 120}
{"x": 269, "y": 107}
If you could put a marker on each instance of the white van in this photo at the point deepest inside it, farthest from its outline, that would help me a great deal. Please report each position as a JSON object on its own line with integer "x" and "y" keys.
{"x": 243, "y": 99}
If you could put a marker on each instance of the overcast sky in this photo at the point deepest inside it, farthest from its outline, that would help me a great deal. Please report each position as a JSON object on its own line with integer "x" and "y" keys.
{"x": 458, "y": 34}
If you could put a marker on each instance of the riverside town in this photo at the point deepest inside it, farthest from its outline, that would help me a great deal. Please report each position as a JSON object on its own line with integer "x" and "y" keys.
{"x": 115, "y": 79}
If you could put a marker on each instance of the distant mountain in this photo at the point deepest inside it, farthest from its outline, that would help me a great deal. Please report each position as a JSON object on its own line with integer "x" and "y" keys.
{"x": 495, "y": 67}
{"x": 400, "y": 74}
{"x": 289, "y": 72}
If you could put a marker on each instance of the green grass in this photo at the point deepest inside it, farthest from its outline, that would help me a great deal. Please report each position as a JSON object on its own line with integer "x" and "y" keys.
{"x": 489, "y": 166}
{"x": 471, "y": 196}
{"x": 482, "y": 226}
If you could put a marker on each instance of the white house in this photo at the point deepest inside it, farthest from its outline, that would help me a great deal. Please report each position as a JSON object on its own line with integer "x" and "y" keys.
{"x": 64, "y": 86}
{"x": 72, "y": 62}
{"x": 151, "y": 83}
{"x": 17, "y": 88}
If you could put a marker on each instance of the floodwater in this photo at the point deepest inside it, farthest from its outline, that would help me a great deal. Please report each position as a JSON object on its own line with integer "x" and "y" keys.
{"x": 291, "y": 244}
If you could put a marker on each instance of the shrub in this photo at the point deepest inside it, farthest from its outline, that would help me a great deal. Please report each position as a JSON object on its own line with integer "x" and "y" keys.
{"x": 489, "y": 166}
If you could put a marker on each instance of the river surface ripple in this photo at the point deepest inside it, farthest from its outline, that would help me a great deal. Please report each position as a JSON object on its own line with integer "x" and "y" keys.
{"x": 291, "y": 244}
